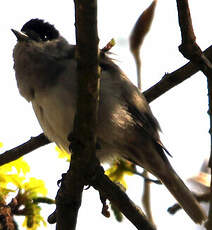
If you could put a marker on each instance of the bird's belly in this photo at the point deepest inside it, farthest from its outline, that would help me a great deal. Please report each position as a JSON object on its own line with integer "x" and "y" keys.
{"x": 56, "y": 117}
{"x": 55, "y": 111}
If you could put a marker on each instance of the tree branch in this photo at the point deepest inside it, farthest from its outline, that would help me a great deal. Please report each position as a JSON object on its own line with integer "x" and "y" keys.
{"x": 189, "y": 48}
{"x": 192, "y": 51}
{"x": 205, "y": 197}
{"x": 21, "y": 150}
{"x": 113, "y": 192}
{"x": 209, "y": 81}
{"x": 85, "y": 168}
{"x": 83, "y": 162}
{"x": 146, "y": 198}
{"x": 171, "y": 80}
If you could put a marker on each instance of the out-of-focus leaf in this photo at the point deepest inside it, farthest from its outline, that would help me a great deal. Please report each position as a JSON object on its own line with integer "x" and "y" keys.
{"x": 142, "y": 27}
{"x": 138, "y": 34}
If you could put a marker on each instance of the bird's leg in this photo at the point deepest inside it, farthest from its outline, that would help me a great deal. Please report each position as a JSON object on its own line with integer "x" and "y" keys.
{"x": 74, "y": 143}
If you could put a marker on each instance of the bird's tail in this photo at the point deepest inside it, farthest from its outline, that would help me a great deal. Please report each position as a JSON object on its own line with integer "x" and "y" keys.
{"x": 183, "y": 195}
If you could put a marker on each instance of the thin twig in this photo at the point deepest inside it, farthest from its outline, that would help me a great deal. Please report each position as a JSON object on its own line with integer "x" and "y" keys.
{"x": 190, "y": 49}
{"x": 147, "y": 179}
{"x": 146, "y": 198}
{"x": 121, "y": 201}
{"x": 21, "y": 150}
{"x": 200, "y": 198}
{"x": 171, "y": 80}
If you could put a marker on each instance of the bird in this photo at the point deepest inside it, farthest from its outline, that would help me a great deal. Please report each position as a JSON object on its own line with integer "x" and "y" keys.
{"x": 46, "y": 73}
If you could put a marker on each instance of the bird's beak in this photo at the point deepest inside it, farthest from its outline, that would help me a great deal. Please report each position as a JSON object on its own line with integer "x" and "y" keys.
{"x": 20, "y": 36}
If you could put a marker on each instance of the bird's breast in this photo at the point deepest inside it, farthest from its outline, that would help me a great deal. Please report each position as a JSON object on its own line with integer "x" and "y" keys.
{"x": 55, "y": 111}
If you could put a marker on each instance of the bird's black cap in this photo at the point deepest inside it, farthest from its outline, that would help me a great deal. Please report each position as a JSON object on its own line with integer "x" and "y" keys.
{"x": 44, "y": 30}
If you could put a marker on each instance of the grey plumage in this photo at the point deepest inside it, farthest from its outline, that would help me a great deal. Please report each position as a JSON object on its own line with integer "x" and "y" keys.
{"x": 45, "y": 69}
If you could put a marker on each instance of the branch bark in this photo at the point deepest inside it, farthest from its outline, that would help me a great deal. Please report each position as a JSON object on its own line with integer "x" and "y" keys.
{"x": 173, "y": 79}
{"x": 121, "y": 201}
{"x": 209, "y": 81}
{"x": 192, "y": 51}
{"x": 85, "y": 168}
{"x": 83, "y": 161}
{"x": 205, "y": 197}
{"x": 25, "y": 148}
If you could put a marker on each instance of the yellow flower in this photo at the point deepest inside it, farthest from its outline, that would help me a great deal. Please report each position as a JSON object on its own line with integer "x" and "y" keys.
{"x": 18, "y": 165}
{"x": 118, "y": 170}
{"x": 63, "y": 153}
{"x": 35, "y": 186}
{"x": 31, "y": 191}
{"x": 13, "y": 173}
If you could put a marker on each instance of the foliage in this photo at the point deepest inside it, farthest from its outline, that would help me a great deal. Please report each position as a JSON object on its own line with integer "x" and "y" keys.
{"x": 25, "y": 194}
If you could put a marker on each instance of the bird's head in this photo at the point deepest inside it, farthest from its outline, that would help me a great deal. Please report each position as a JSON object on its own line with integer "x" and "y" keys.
{"x": 39, "y": 56}
{"x": 39, "y": 40}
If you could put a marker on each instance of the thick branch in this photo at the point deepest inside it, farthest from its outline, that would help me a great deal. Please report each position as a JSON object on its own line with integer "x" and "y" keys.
{"x": 83, "y": 161}
{"x": 85, "y": 168}
{"x": 21, "y": 150}
{"x": 209, "y": 79}
{"x": 192, "y": 51}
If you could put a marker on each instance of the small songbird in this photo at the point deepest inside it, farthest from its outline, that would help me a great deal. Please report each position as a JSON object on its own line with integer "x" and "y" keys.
{"x": 45, "y": 68}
